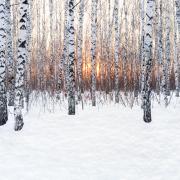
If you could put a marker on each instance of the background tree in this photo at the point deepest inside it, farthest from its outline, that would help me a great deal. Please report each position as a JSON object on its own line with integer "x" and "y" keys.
{"x": 93, "y": 49}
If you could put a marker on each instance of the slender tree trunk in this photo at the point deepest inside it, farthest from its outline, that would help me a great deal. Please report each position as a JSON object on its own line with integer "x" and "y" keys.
{"x": 28, "y": 63}
{"x": 79, "y": 51}
{"x": 71, "y": 69}
{"x": 116, "y": 53}
{"x": 3, "y": 98}
{"x": 52, "y": 62}
{"x": 9, "y": 55}
{"x": 166, "y": 63}
{"x": 63, "y": 67}
{"x": 157, "y": 49}
{"x": 109, "y": 44}
{"x": 160, "y": 48}
{"x": 142, "y": 60}
{"x": 125, "y": 54}
{"x": 176, "y": 52}
{"x": 148, "y": 61}
{"x": 20, "y": 64}
{"x": 93, "y": 49}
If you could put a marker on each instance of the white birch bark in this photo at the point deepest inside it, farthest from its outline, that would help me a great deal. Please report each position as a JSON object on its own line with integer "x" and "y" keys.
{"x": 9, "y": 55}
{"x": 146, "y": 93}
{"x": 20, "y": 64}
{"x": 79, "y": 51}
{"x": 116, "y": 50}
{"x": 52, "y": 62}
{"x": 176, "y": 49}
{"x": 160, "y": 48}
{"x": 93, "y": 49}
{"x": 156, "y": 49}
{"x": 71, "y": 67}
{"x": 142, "y": 60}
{"x": 3, "y": 98}
{"x": 166, "y": 63}
{"x": 63, "y": 67}
{"x": 28, "y": 62}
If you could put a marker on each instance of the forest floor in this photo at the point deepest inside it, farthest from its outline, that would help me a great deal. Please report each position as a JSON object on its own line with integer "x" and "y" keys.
{"x": 110, "y": 142}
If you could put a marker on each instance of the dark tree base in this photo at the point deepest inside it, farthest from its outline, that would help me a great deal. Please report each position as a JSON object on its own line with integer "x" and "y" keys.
{"x": 71, "y": 110}
{"x": 93, "y": 104}
{"x": 3, "y": 121}
{"x": 3, "y": 117}
{"x": 147, "y": 118}
{"x": 117, "y": 100}
{"x": 71, "y": 113}
{"x": 19, "y": 123}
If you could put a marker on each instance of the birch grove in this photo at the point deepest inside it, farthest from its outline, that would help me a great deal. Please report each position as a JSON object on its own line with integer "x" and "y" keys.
{"x": 85, "y": 52}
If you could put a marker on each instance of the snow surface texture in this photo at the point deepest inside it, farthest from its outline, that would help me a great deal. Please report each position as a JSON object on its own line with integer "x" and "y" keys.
{"x": 109, "y": 142}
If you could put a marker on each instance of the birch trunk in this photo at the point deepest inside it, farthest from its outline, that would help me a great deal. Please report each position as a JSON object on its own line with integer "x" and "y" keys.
{"x": 146, "y": 93}
{"x": 3, "y": 98}
{"x": 125, "y": 54}
{"x": 116, "y": 50}
{"x": 79, "y": 51}
{"x": 9, "y": 55}
{"x": 63, "y": 67}
{"x": 71, "y": 68}
{"x": 93, "y": 49}
{"x": 142, "y": 60}
{"x": 160, "y": 48}
{"x": 176, "y": 52}
{"x": 166, "y": 65}
{"x": 20, "y": 65}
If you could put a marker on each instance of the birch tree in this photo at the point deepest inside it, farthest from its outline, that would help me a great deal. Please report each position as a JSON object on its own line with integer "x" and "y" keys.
{"x": 125, "y": 50}
{"x": 93, "y": 49}
{"x": 52, "y": 69}
{"x": 20, "y": 64}
{"x": 156, "y": 49}
{"x": 9, "y": 55}
{"x": 79, "y": 51}
{"x": 3, "y": 95}
{"x": 28, "y": 63}
{"x": 166, "y": 63}
{"x": 159, "y": 47}
{"x": 116, "y": 53}
{"x": 177, "y": 2}
{"x": 71, "y": 67}
{"x": 146, "y": 93}
{"x": 63, "y": 67}
{"x": 142, "y": 43}
{"x": 176, "y": 54}
{"x": 108, "y": 46}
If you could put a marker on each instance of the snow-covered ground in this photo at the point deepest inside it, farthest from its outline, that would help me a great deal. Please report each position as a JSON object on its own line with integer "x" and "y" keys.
{"x": 110, "y": 142}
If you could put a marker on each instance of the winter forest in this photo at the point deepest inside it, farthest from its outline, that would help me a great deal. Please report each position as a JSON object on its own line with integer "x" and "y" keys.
{"x": 74, "y": 55}
{"x": 122, "y": 50}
